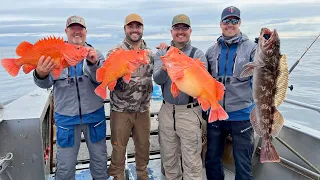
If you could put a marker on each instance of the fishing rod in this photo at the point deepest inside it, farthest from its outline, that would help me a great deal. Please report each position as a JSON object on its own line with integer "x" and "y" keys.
{"x": 297, "y": 62}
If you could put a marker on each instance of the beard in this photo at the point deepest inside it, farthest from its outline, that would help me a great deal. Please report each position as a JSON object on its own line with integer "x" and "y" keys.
{"x": 77, "y": 41}
{"x": 134, "y": 40}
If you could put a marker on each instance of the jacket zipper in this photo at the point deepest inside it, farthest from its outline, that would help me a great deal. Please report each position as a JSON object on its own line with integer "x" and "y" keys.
{"x": 78, "y": 93}
{"x": 224, "y": 78}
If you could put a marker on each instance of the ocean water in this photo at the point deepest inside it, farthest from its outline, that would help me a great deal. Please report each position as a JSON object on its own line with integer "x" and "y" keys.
{"x": 305, "y": 78}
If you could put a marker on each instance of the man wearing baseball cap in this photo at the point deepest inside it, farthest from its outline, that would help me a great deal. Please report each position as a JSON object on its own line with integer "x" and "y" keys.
{"x": 77, "y": 108}
{"x": 232, "y": 50}
{"x": 130, "y": 106}
{"x": 180, "y": 122}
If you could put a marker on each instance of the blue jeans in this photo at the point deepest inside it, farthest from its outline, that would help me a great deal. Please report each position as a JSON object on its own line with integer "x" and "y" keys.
{"x": 242, "y": 142}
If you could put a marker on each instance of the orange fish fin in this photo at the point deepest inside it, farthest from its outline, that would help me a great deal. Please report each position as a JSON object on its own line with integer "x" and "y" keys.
{"x": 114, "y": 52}
{"x": 70, "y": 61}
{"x": 28, "y": 68}
{"x": 50, "y": 40}
{"x": 204, "y": 104}
{"x": 10, "y": 65}
{"x": 255, "y": 123}
{"x": 55, "y": 72}
{"x": 100, "y": 74}
{"x": 268, "y": 152}
{"x": 100, "y": 91}
{"x": 133, "y": 66}
{"x": 217, "y": 114}
{"x": 278, "y": 122}
{"x": 23, "y": 48}
{"x": 200, "y": 63}
{"x": 174, "y": 90}
{"x": 127, "y": 78}
{"x": 220, "y": 90}
{"x": 112, "y": 85}
{"x": 177, "y": 75}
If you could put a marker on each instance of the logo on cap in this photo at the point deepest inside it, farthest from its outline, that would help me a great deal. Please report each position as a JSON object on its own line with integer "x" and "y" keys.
{"x": 231, "y": 9}
{"x": 182, "y": 17}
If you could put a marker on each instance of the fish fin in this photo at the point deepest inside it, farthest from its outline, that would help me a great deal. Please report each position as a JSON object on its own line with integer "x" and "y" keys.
{"x": 10, "y": 65}
{"x": 220, "y": 90}
{"x": 114, "y": 52}
{"x": 281, "y": 81}
{"x": 28, "y": 68}
{"x": 23, "y": 48}
{"x": 217, "y": 114}
{"x": 248, "y": 69}
{"x": 112, "y": 85}
{"x": 55, "y": 72}
{"x": 127, "y": 78}
{"x": 177, "y": 75}
{"x": 200, "y": 63}
{"x": 64, "y": 63}
{"x": 133, "y": 66}
{"x": 71, "y": 62}
{"x": 255, "y": 122}
{"x": 174, "y": 90}
{"x": 278, "y": 122}
{"x": 268, "y": 152}
{"x": 100, "y": 74}
{"x": 204, "y": 104}
{"x": 49, "y": 40}
{"x": 100, "y": 91}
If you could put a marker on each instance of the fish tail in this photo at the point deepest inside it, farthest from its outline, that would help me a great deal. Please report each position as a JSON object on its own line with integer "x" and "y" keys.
{"x": 100, "y": 91}
{"x": 268, "y": 152}
{"x": 10, "y": 65}
{"x": 217, "y": 114}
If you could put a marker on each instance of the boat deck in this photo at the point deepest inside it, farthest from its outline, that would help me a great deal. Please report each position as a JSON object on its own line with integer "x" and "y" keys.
{"x": 153, "y": 169}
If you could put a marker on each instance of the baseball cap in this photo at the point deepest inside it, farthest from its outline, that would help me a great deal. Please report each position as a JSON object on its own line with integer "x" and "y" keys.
{"x": 75, "y": 20}
{"x": 230, "y": 11}
{"x": 181, "y": 18}
{"x": 133, "y": 18}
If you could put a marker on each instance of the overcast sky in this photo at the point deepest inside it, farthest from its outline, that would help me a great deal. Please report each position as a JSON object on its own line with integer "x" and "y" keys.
{"x": 33, "y": 19}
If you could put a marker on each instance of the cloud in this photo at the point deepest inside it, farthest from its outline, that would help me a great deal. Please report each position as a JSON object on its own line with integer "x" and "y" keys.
{"x": 20, "y": 20}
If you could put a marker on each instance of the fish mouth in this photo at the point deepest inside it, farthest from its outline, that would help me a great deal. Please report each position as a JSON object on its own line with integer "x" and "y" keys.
{"x": 269, "y": 39}
{"x": 164, "y": 58}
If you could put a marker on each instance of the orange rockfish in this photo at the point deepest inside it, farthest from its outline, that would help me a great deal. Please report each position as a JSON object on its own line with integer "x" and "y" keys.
{"x": 120, "y": 63}
{"x": 64, "y": 55}
{"x": 191, "y": 77}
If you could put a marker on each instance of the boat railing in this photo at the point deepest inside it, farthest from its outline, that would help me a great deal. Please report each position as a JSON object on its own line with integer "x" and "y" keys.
{"x": 315, "y": 172}
{"x": 304, "y": 105}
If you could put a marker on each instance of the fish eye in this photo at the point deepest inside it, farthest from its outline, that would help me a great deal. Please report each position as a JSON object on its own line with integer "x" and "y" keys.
{"x": 138, "y": 52}
{"x": 78, "y": 47}
{"x": 180, "y": 52}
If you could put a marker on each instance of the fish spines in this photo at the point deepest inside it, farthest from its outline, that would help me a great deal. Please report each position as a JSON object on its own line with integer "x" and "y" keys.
{"x": 52, "y": 39}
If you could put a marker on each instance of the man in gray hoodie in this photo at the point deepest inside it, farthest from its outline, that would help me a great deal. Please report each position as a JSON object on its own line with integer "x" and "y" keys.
{"x": 77, "y": 108}
{"x": 226, "y": 59}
